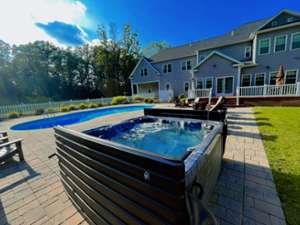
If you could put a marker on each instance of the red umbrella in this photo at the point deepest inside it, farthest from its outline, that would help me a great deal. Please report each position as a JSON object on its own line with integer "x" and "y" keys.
{"x": 280, "y": 76}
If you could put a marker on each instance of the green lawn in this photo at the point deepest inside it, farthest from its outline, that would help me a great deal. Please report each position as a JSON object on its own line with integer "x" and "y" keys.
{"x": 283, "y": 152}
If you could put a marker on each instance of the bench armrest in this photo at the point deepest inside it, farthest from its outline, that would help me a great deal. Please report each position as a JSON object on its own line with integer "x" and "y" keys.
{"x": 16, "y": 141}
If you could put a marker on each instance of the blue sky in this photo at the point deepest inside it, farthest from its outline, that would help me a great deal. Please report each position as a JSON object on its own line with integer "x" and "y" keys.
{"x": 69, "y": 22}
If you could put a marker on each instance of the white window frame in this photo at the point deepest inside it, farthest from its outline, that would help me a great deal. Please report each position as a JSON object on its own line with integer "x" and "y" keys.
{"x": 297, "y": 71}
{"x": 167, "y": 67}
{"x": 212, "y": 81}
{"x": 259, "y": 41}
{"x": 223, "y": 77}
{"x": 291, "y": 44}
{"x": 202, "y": 80}
{"x": 270, "y": 76}
{"x": 170, "y": 86}
{"x": 185, "y": 64}
{"x": 242, "y": 77}
{"x": 186, "y": 82}
{"x": 290, "y": 19}
{"x": 265, "y": 74}
{"x": 275, "y": 41}
{"x": 246, "y": 48}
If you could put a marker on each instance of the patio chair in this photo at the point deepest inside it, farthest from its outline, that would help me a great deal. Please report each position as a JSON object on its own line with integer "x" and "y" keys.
{"x": 3, "y": 137}
{"x": 10, "y": 148}
{"x": 199, "y": 104}
{"x": 218, "y": 106}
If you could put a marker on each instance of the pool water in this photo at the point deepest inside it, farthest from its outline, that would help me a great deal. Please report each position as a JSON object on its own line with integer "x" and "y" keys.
{"x": 168, "y": 138}
{"x": 77, "y": 117}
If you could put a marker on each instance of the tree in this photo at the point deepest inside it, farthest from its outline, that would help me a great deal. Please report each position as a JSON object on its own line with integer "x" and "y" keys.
{"x": 155, "y": 47}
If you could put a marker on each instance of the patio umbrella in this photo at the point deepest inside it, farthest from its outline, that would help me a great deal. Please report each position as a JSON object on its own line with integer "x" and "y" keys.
{"x": 280, "y": 76}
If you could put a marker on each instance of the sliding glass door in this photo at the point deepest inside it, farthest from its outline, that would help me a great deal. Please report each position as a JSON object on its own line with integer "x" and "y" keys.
{"x": 225, "y": 85}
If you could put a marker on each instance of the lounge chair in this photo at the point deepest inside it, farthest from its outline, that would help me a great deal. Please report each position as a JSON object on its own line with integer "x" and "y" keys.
{"x": 218, "y": 106}
{"x": 199, "y": 104}
{"x": 10, "y": 148}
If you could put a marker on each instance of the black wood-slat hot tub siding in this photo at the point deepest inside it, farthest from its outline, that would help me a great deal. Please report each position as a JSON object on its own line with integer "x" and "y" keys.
{"x": 108, "y": 185}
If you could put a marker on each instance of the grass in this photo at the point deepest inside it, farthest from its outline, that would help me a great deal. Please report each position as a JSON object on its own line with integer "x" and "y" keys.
{"x": 283, "y": 152}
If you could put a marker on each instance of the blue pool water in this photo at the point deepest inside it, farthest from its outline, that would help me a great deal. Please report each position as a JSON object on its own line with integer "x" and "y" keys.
{"x": 165, "y": 137}
{"x": 77, "y": 117}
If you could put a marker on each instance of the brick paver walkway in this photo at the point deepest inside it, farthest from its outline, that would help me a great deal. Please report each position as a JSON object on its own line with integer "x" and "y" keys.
{"x": 245, "y": 193}
{"x": 31, "y": 192}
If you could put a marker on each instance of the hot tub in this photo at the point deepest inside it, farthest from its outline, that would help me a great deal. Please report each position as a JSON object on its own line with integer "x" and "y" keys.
{"x": 147, "y": 170}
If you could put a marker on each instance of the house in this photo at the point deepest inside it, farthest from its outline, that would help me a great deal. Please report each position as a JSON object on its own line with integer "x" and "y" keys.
{"x": 242, "y": 62}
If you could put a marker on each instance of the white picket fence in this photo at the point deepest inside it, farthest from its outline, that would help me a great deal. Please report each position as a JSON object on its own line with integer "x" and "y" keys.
{"x": 32, "y": 108}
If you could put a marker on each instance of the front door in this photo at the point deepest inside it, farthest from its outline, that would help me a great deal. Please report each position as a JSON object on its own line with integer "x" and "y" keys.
{"x": 225, "y": 85}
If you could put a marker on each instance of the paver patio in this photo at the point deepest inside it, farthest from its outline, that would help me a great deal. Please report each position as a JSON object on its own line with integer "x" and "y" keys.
{"x": 31, "y": 192}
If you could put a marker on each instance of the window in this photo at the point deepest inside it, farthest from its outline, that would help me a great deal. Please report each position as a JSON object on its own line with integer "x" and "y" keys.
{"x": 259, "y": 79}
{"x": 208, "y": 83}
{"x": 134, "y": 87}
{"x": 274, "y": 23}
{"x": 248, "y": 52}
{"x": 272, "y": 78}
{"x": 264, "y": 46}
{"x": 186, "y": 86}
{"x": 199, "y": 84}
{"x": 186, "y": 65}
{"x": 168, "y": 86}
{"x": 225, "y": 85}
{"x": 290, "y": 77}
{"x": 280, "y": 43}
{"x": 167, "y": 68}
{"x": 246, "y": 80}
{"x": 290, "y": 19}
{"x": 144, "y": 72}
{"x": 295, "y": 41}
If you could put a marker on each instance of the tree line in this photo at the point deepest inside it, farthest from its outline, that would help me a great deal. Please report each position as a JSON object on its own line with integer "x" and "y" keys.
{"x": 41, "y": 71}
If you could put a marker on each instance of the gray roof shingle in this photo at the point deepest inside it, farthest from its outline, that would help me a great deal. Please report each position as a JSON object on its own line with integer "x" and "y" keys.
{"x": 237, "y": 35}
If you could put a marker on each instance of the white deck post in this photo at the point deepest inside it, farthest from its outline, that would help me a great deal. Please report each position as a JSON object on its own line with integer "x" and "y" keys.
{"x": 265, "y": 90}
{"x": 238, "y": 85}
{"x": 209, "y": 96}
{"x": 298, "y": 89}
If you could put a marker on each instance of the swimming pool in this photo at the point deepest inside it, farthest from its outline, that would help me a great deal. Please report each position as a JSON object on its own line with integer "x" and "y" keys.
{"x": 77, "y": 117}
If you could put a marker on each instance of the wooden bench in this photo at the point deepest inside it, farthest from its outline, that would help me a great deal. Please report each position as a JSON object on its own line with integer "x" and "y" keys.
{"x": 9, "y": 148}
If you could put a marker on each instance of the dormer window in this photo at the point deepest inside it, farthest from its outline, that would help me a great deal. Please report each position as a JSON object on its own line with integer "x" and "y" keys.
{"x": 167, "y": 68}
{"x": 248, "y": 52}
{"x": 144, "y": 72}
{"x": 186, "y": 65}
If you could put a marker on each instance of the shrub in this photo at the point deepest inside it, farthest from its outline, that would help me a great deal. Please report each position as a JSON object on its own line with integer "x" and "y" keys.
{"x": 39, "y": 111}
{"x": 138, "y": 99}
{"x": 72, "y": 107}
{"x": 149, "y": 100}
{"x": 52, "y": 110}
{"x": 119, "y": 100}
{"x": 13, "y": 115}
{"x": 181, "y": 97}
{"x": 99, "y": 104}
{"x": 82, "y": 106}
{"x": 64, "y": 109}
{"x": 93, "y": 105}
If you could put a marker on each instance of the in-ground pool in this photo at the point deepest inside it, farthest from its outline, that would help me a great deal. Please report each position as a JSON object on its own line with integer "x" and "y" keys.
{"x": 76, "y": 117}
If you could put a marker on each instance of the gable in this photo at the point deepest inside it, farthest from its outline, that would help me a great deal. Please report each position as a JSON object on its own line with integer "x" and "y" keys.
{"x": 284, "y": 18}
{"x": 138, "y": 76}
{"x": 217, "y": 55}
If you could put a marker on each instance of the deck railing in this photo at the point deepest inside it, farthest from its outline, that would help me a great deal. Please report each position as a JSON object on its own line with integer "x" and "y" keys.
{"x": 268, "y": 91}
{"x": 205, "y": 92}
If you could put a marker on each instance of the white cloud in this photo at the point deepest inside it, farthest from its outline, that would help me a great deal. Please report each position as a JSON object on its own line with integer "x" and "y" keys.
{"x": 18, "y": 18}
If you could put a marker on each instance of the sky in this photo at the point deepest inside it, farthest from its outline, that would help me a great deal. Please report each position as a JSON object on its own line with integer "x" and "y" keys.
{"x": 74, "y": 22}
